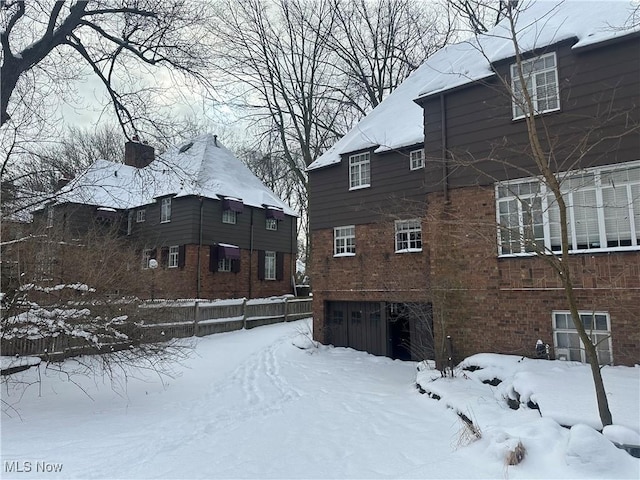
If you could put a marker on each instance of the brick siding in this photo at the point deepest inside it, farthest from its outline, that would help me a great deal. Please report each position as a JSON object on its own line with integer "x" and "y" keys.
{"x": 486, "y": 303}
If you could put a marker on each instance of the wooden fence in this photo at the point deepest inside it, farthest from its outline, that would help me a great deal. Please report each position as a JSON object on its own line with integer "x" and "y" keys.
{"x": 159, "y": 321}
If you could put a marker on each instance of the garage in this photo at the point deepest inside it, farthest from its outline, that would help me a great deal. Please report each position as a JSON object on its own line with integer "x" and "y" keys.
{"x": 381, "y": 328}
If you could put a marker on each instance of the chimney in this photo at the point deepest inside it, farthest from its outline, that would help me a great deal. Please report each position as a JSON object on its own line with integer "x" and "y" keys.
{"x": 138, "y": 154}
{"x": 215, "y": 140}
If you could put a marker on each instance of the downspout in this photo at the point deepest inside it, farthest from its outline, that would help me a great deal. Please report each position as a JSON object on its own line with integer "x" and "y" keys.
{"x": 251, "y": 255}
{"x": 443, "y": 141}
{"x": 292, "y": 260}
{"x": 198, "y": 274}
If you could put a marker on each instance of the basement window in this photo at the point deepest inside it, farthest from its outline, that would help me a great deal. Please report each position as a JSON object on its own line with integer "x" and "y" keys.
{"x": 567, "y": 343}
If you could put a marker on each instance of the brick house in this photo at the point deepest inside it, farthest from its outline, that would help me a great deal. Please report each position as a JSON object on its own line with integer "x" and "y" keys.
{"x": 204, "y": 226}
{"x": 427, "y": 216}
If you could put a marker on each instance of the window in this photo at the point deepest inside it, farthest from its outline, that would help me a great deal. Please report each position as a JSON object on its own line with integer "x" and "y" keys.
{"x": 165, "y": 210}
{"x": 174, "y": 253}
{"x": 408, "y": 236}
{"x": 229, "y": 216}
{"x": 141, "y": 215}
{"x": 603, "y": 212}
{"x": 224, "y": 265}
{"x": 416, "y": 159}
{"x": 269, "y": 265}
{"x": 344, "y": 241}
{"x": 272, "y": 224}
{"x": 568, "y": 345}
{"x": 541, "y": 81}
{"x": 359, "y": 171}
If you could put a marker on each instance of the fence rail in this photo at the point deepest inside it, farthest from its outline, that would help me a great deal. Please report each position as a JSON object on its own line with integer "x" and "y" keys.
{"x": 160, "y": 321}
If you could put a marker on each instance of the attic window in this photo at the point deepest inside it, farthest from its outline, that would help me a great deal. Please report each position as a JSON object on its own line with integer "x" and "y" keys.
{"x": 186, "y": 147}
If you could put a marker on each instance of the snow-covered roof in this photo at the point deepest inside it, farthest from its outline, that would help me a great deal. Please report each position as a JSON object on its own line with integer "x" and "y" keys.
{"x": 205, "y": 168}
{"x": 397, "y": 122}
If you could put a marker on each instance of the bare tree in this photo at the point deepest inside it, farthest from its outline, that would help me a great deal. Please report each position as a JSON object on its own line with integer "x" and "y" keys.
{"x": 304, "y": 71}
{"x": 481, "y": 15}
{"x": 46, "y": 44}
{"x": 555, "y": 158}
{"x": 379, "y": 43}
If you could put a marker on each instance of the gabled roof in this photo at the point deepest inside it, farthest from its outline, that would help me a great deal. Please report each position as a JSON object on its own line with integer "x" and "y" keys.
{"x": 397, "y": 122}
{"x": 200, "y": 167}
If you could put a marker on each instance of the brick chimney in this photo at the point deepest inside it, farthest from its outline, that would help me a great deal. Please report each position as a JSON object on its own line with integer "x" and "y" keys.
{"x": 138, "y": 154}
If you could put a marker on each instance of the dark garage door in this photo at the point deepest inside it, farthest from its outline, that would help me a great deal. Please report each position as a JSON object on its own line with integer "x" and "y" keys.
{"x": 359, "y": 325}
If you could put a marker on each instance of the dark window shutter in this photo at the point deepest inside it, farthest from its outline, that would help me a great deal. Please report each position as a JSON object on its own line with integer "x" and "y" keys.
{"x": 213, "y": 258}
{"x": 181, "y": 256}
{"x": 235, "y": 265}
{"x": 279, "y": 266}
{"x": 164, "y": 256}
{"x": 154, "y": 253}
{"x": 260, "y": 264}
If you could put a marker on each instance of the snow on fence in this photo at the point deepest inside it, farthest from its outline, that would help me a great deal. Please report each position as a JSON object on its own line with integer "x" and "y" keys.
{"x": 157, "y": 321}
{"x": 163, "y": 320}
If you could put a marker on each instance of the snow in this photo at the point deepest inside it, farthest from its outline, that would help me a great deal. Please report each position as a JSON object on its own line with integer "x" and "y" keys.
{"x": 207, "y": 169}
{"x": 12, "y": 362}
{"x": 264, "y": 403}
{"x": 539, "y": 24}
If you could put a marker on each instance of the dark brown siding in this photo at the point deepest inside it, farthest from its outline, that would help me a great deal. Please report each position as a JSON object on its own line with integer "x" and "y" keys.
{"x": 599, "y": 101}
{"x": 394, "y": 188}
{"x": 184, "y": 227}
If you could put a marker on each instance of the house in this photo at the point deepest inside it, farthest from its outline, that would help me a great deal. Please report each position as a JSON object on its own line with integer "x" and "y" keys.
{"x": 427, "y": 216}
{"x": 204, "y": 226}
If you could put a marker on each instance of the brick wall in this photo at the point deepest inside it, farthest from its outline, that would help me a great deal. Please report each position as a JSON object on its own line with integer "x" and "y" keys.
{"x": 485, "y": 303}
{"x": 375, "y": 273}
{"x": 182, "y": 282}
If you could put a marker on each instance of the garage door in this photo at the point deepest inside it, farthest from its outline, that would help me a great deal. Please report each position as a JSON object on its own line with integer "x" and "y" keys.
{"x": 359, "y": 325}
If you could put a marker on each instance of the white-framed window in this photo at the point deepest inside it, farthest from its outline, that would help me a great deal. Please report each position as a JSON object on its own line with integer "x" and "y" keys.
{"x": 141, "y": 215}
{"x": 344, "y": 241}
{"x": 165, "y": 210}
{"x": 269, "y": 265}
{"x": 603, "y": 212}
{"x": 408, "y": 235}
{"x": 567, "y": 343}
{"x": 224, "y": 265}
{"x": 147, "y": 255}
{"x": 271, "y": 224}
{"x": 359, "y": 171}
{"x": 541, "y": 81}
{"x": 229, "y": 216}
{"x": 174, "y": 253}
{"x": 416, "y": 159}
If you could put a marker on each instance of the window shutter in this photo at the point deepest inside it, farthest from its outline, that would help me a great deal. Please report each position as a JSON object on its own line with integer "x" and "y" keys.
{"x": 260, "y": 264}
{"x": 235, "y": 265}
{"x": 213, "y": 258}
{"x": 164, "y": 256}
{"x": 279, "y": 266}
{"x": 181, "y": 256}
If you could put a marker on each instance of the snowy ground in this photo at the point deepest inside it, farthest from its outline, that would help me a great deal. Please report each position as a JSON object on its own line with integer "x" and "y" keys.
{"x": 251, "y": 404}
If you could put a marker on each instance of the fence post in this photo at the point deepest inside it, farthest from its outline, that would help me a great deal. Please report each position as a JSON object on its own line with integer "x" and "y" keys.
{"x": 196, "y": 319}
{"x": 244, "y": 313}
{"x": 286, "y": 309}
